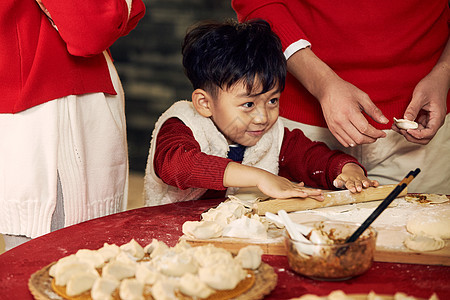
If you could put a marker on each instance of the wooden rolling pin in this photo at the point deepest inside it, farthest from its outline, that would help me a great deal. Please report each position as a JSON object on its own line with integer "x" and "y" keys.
{"x": 334, "y": 198}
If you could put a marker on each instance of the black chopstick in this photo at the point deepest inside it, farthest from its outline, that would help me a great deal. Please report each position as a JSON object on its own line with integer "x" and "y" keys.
{"x": 383, "y": 205}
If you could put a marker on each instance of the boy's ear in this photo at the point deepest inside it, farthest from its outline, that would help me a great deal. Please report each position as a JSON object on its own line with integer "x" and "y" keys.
{"x": 202, "y": 102}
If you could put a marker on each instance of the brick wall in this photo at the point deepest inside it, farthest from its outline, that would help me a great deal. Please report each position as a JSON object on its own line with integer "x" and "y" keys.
{"x": 148, "y": 61}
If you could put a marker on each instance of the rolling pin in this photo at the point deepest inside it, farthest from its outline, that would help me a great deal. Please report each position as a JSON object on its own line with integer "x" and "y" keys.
{"x": 332, "y": 198}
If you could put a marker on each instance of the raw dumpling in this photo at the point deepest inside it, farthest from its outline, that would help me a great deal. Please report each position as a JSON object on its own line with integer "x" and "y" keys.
{"x": 246, "y": 228}
{"x": 249, "y": 257}
{"x": 405, "y": 124}
{"x": 202, "y": 229}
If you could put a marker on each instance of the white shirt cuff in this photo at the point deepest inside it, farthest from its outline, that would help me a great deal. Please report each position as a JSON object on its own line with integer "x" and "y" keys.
{"x": 129, "y": 3}
{"x": 294, "y": 47}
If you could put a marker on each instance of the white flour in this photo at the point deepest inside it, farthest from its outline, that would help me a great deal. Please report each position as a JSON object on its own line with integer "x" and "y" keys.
{"x": 390, "y": 224}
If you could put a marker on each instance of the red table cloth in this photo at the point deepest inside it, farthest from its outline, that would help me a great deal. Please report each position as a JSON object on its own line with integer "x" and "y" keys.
{"x": 164, "y": 223}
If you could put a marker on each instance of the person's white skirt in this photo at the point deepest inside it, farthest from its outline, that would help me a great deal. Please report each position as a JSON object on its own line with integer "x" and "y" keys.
{"x": 80, "y": 139}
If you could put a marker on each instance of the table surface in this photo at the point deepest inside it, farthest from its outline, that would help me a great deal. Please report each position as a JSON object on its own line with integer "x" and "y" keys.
{"x": 164, "y": 223}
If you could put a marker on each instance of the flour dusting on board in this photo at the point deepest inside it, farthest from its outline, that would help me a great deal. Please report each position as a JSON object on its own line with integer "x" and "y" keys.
{"x": 339, "y": 197}
{"x": 390, "y": 224}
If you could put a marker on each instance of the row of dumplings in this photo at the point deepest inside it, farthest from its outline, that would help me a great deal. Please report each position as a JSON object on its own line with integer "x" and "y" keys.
{"x": 157, "y": 269}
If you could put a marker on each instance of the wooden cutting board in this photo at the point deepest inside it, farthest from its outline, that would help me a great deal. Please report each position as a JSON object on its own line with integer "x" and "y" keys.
{"x": 332, "y": 198}
{"x": 274, "y": 245}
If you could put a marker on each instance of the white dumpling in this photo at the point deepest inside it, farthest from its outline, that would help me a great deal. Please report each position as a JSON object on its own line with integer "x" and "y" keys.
{"x": 156, "y": 248}
{"x": 202, "y": 229}
{"x": 245, "y": 228}
{"x": 175, "y": 264}
{"x": 91, "y": 257}
{"x": 108, "y": 251}
{"x": 147, "y": 274}
{"x": 222, "y": 277}
{"x": 118, "y": 270}
{"x": 191, "y": 285}
{"x": 81, "y": 282}
{"x": 405, "y": 124}
{"x": 249, "y": 257}
{"x": 103, "y": 288}
{"x": 164, "y": 290}
{"x": 66, "y": 271}
{"x": 131, "y": 289}
{"x": 134, "y": 249}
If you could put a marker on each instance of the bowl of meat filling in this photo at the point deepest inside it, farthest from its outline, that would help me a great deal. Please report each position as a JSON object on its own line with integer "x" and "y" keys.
{"x": 323, "y": 253}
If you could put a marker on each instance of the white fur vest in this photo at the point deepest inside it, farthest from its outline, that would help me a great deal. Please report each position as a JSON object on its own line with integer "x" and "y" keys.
{"x": 264, "y": 155}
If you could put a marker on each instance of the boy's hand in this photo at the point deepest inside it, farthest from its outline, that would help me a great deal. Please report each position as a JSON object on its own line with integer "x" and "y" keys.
{"x": 353, "y": 178}
{"x": 238, "y": 175}
{"x": 280, "y": 187}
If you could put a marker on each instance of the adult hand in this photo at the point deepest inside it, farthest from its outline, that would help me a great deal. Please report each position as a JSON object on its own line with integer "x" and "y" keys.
{"x": 428, "y": 105}
{"x": 342, "y": 105}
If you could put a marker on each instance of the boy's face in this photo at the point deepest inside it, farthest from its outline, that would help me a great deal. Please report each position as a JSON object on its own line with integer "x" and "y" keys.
{"x": 243, "y": 118}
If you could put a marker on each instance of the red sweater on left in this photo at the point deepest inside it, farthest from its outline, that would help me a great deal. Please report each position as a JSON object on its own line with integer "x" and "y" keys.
{"x": 179, "y": 161}
{"x": 38, "y": 63}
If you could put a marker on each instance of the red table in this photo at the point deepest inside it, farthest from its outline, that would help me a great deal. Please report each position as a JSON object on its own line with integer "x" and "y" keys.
{"x": 164, "y": 223}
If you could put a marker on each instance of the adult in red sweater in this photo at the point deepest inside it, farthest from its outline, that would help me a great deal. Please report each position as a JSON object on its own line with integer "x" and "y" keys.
{"x": 230, "y": 135}
{"x": 354, "y": 66}
{"x": 63, "y": 149}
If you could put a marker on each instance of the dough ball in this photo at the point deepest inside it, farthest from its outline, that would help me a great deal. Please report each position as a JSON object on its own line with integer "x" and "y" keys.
{"x": 423, "y": 243}
{"x": 430, "y": 223}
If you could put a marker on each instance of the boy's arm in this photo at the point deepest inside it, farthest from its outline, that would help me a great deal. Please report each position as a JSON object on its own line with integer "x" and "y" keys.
{"x": 311, "y": 162}
{"x": 179, "y": 161}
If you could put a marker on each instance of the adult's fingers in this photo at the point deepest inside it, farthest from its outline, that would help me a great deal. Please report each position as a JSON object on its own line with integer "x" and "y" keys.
{"x": 365, "y": 132}
{"x": 372, "y": 110}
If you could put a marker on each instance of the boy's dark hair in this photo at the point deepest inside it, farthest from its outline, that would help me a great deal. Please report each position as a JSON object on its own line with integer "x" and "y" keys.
{"x": 218, "y": 55}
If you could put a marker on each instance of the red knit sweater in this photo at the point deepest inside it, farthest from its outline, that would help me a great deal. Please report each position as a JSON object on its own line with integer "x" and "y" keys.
{"x": 179, "y": 161}
{"x": 38, "y": 63}
{"x": 382, "y": 47}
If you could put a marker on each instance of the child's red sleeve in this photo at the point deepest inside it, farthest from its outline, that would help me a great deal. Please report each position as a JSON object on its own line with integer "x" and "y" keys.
{"x": 311, "y": 162}
{"x": 179, "y": 161}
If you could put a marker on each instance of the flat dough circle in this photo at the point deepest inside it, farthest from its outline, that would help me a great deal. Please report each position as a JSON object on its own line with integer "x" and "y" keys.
{"x": 430, "y": 223}
{"x": 424, "y": 243}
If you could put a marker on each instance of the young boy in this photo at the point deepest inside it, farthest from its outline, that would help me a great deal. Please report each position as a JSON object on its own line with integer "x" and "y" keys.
{"x": 230, "y": 134}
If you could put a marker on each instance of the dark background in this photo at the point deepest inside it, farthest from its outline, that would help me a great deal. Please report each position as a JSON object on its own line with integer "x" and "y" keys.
{"x": 149, "y": 64}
